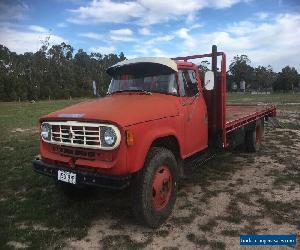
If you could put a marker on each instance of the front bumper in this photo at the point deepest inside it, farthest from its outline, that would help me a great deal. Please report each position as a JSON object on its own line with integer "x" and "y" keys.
{"x": 83, "y": 177}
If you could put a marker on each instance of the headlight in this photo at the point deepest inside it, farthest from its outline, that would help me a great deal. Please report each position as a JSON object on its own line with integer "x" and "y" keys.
{"x": 46, "y": 131}
{"x": 109, "y": 137}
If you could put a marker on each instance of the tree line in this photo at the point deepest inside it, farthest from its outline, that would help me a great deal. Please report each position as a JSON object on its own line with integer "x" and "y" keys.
{"x": 53, "y": 72}
{"x": 258, "y": 78}
{"x": 261, "y": 78}
{"x": 56, "y": 72}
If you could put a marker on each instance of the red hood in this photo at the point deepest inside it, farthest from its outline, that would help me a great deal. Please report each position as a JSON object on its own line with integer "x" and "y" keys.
{"x": 123, "y": 109}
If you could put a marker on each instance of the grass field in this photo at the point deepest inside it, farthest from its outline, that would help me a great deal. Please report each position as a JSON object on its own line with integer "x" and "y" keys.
{"x": 289, "y": 101}
{"x": 25, "y": 198}
{"x": 34, "y": 215}
{"x": 278, "y": 98}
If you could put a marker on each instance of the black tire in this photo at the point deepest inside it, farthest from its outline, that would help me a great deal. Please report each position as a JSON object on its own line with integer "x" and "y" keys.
{"x": 142, "y": 188}
{"x": 254, "y": 136}
{"x": 74, "y": 192}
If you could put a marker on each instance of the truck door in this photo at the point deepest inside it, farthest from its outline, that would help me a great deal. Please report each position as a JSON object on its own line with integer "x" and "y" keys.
{"x": 194, "y": 112}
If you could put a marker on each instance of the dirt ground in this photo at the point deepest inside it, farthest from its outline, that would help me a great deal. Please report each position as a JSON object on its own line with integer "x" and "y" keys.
{"x": 236, "y": 193}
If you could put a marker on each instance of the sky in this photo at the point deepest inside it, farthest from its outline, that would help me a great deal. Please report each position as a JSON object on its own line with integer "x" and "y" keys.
{"x": 267, "y": 31}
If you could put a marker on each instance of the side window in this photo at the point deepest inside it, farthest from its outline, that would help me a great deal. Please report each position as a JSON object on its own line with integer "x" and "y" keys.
{"x": 173, "y": 86}
{"x": 188, "y": 86}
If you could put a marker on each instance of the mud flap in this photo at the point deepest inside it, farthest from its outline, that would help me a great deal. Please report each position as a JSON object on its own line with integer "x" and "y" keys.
{"x": 274, "y": 122}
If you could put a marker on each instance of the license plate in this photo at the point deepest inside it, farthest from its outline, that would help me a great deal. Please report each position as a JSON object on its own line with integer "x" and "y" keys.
{"x": 66, "y": 176}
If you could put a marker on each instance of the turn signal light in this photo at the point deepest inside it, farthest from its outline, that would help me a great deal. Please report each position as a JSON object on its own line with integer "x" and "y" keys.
{"x": 129, "y": 138}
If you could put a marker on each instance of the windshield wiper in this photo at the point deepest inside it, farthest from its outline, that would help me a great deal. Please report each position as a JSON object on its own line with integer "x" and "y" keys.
{"x": 146, "y": 92}
{"x": 117, "y": 91}
{"x": 132, "y": 90}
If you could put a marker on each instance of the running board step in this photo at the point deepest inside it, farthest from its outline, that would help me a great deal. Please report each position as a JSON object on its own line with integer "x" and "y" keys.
{"x": 197, "y": 161}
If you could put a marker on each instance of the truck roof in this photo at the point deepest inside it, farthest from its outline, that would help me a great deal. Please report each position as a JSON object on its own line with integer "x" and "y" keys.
{"x": 167, "y": 62}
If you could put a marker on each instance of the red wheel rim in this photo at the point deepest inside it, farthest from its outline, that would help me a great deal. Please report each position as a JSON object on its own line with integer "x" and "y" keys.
{"x": 257, "y": 135}
{"x": 162, "y": 187}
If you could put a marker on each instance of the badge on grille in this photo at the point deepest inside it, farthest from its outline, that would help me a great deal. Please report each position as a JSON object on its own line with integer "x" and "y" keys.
{"x": 71, "y": 134}
{"x": 71, "y": 115}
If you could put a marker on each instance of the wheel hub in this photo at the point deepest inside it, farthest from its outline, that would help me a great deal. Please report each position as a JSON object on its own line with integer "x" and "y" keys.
{"x": 161, "y": 188}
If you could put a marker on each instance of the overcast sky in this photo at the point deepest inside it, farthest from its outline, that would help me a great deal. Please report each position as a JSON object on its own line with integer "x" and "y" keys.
{"x": 267, "y": 31}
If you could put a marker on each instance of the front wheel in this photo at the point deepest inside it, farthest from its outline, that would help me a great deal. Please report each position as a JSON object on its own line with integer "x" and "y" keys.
{"x": 154, "y": 188}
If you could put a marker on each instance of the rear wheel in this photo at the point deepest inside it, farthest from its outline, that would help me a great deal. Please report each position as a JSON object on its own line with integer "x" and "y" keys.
{"x": 254, "y": 136}
{"x": 154, "y": 188}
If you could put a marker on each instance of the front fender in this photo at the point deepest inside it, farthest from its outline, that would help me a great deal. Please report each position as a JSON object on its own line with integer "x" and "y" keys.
{"x": 145, "y": 134}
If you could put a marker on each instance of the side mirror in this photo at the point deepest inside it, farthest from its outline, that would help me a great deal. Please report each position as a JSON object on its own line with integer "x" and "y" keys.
{"x": 209, "y": 80}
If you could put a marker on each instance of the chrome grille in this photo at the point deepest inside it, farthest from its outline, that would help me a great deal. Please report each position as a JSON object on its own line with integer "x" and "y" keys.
{"x": 81, "y": 134}
{"x": 75, "y": 134}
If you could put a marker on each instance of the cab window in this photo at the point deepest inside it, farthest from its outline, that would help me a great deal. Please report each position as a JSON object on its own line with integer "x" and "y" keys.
{"x": 188, "y": 86}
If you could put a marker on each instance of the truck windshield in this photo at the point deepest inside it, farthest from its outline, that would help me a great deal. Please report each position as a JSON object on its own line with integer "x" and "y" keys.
{"x": 165, "y": 84}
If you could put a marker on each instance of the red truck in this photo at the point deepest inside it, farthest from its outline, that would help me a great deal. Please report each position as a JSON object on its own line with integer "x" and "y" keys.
{"x": 157, "y": 119}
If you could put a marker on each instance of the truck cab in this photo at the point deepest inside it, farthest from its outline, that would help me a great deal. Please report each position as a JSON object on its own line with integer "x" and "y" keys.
{"x": 156, "y": 116}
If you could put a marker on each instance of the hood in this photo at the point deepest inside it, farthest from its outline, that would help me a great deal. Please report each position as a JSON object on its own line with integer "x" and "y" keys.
{"x": 122, "y": 108}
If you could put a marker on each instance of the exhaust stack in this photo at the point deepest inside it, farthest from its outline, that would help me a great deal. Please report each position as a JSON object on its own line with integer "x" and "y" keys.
{"x": 214, "y": 97}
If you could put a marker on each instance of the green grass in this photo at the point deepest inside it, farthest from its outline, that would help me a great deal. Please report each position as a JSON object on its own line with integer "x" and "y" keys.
{"x": 117, "y": 242}
{"x": 26, "y": 114}
{"x": 234, "y": 212}
{"x": 32, "y": 200}
{"x": 29, "y": 201}
{"x": 209, "y": 226}
{"x": 277, "y": 98}
{"x": 199, "y": 241}
{"x": 231, "y": 233}
{"x": 280, "y": 212}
